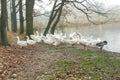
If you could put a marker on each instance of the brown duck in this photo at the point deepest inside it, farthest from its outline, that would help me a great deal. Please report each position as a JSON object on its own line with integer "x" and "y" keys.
{"x": 101, "y": 45}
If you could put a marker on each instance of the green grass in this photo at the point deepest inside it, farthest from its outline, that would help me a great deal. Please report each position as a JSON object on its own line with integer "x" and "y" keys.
{"x": 89, "y": 65}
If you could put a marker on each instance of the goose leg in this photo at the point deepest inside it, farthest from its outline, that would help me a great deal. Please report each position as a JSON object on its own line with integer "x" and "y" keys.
{"x": 21, "y": 47}
{"x": 73, "y": 45}
{"x": 101, "y": 49}
{"x": 85, "y": 47}
{"x": 57, "y": 46}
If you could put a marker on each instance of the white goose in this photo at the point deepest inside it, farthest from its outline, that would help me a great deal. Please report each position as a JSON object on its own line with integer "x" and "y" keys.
{"x": 36, "y": 37}
{"x": 21, "y": 43}
{"x": 58, "y": 36}
{"x": 33, "y": 35}
{"x": 75, "y": 35}
{"x": 63, "y": 37}
{"x": 56, "y": 41}
{"x": 94, "y": 42}
{"x": 48, "y": 39}
{"x": 85, "y": 41}
{"x": 70, "y": 41}
{"x": 74, "y": 38}
{"x": 30, "y": 42}
{"x": 89, "y": 42}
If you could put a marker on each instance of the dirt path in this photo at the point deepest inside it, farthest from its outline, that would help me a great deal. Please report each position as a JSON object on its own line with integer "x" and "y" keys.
{"x": 39, "y": 60}
{"x": 23, "y": 64}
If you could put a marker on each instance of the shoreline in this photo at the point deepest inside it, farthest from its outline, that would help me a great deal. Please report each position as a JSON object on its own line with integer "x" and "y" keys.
{"x": 111, "y": 53}
{"x": 81, "y": 24}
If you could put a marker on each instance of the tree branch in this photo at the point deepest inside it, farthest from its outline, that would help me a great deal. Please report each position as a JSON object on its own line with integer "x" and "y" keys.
{"x": 88, "y": 17}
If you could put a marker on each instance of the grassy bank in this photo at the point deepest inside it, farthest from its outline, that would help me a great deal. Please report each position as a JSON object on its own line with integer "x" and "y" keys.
{"x": 83, "y": 65}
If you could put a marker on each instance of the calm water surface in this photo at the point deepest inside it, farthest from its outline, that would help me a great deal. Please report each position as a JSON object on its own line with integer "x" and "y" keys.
{"x": 109, "y": 32}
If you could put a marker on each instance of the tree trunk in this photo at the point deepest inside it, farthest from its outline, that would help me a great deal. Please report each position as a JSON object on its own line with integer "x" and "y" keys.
{"x": 50, "y": 19}
{"x": 29, "y": 16}
{"x": 0, "y": 29}
{"x": 21, "y": 17}
{"x": 4, "y": 40}
{"x": 11, "y": 13}
{"x": 14, "y": 17}
{"x": 7, "y": 22}
{"x": 58, "y": 18}
{"x": 54, "y": 17}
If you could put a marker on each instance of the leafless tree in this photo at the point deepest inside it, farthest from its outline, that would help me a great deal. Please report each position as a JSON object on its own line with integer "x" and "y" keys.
{"x": 85, "y": 6}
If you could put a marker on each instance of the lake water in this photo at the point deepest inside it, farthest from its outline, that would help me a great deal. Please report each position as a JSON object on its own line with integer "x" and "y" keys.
{"x": 108, "y": 32}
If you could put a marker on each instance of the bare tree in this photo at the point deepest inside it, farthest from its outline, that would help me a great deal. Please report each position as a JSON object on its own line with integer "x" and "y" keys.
{"x": 58, "y": 16}
{"x": 21, "y": 17}
{"x": 51, "y": 18}
{"x": 4, "y": 40}
{"x": 13, "y": 16}
{"x": 7, "y": 21}
{"x": 0, "y": 29}
{"x": 29, "y": 16}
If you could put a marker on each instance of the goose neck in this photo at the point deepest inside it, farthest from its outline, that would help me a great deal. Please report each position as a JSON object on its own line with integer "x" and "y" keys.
{"x": 28, "y": 38}
{"x": 18, "y": 39}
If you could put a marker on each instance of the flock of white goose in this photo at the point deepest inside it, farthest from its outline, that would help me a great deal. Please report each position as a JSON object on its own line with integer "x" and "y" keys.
{"x": 59, "y": 37}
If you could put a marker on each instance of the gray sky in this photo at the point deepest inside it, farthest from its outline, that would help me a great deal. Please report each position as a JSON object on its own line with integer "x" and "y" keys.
{"x": 110, "y": 2}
